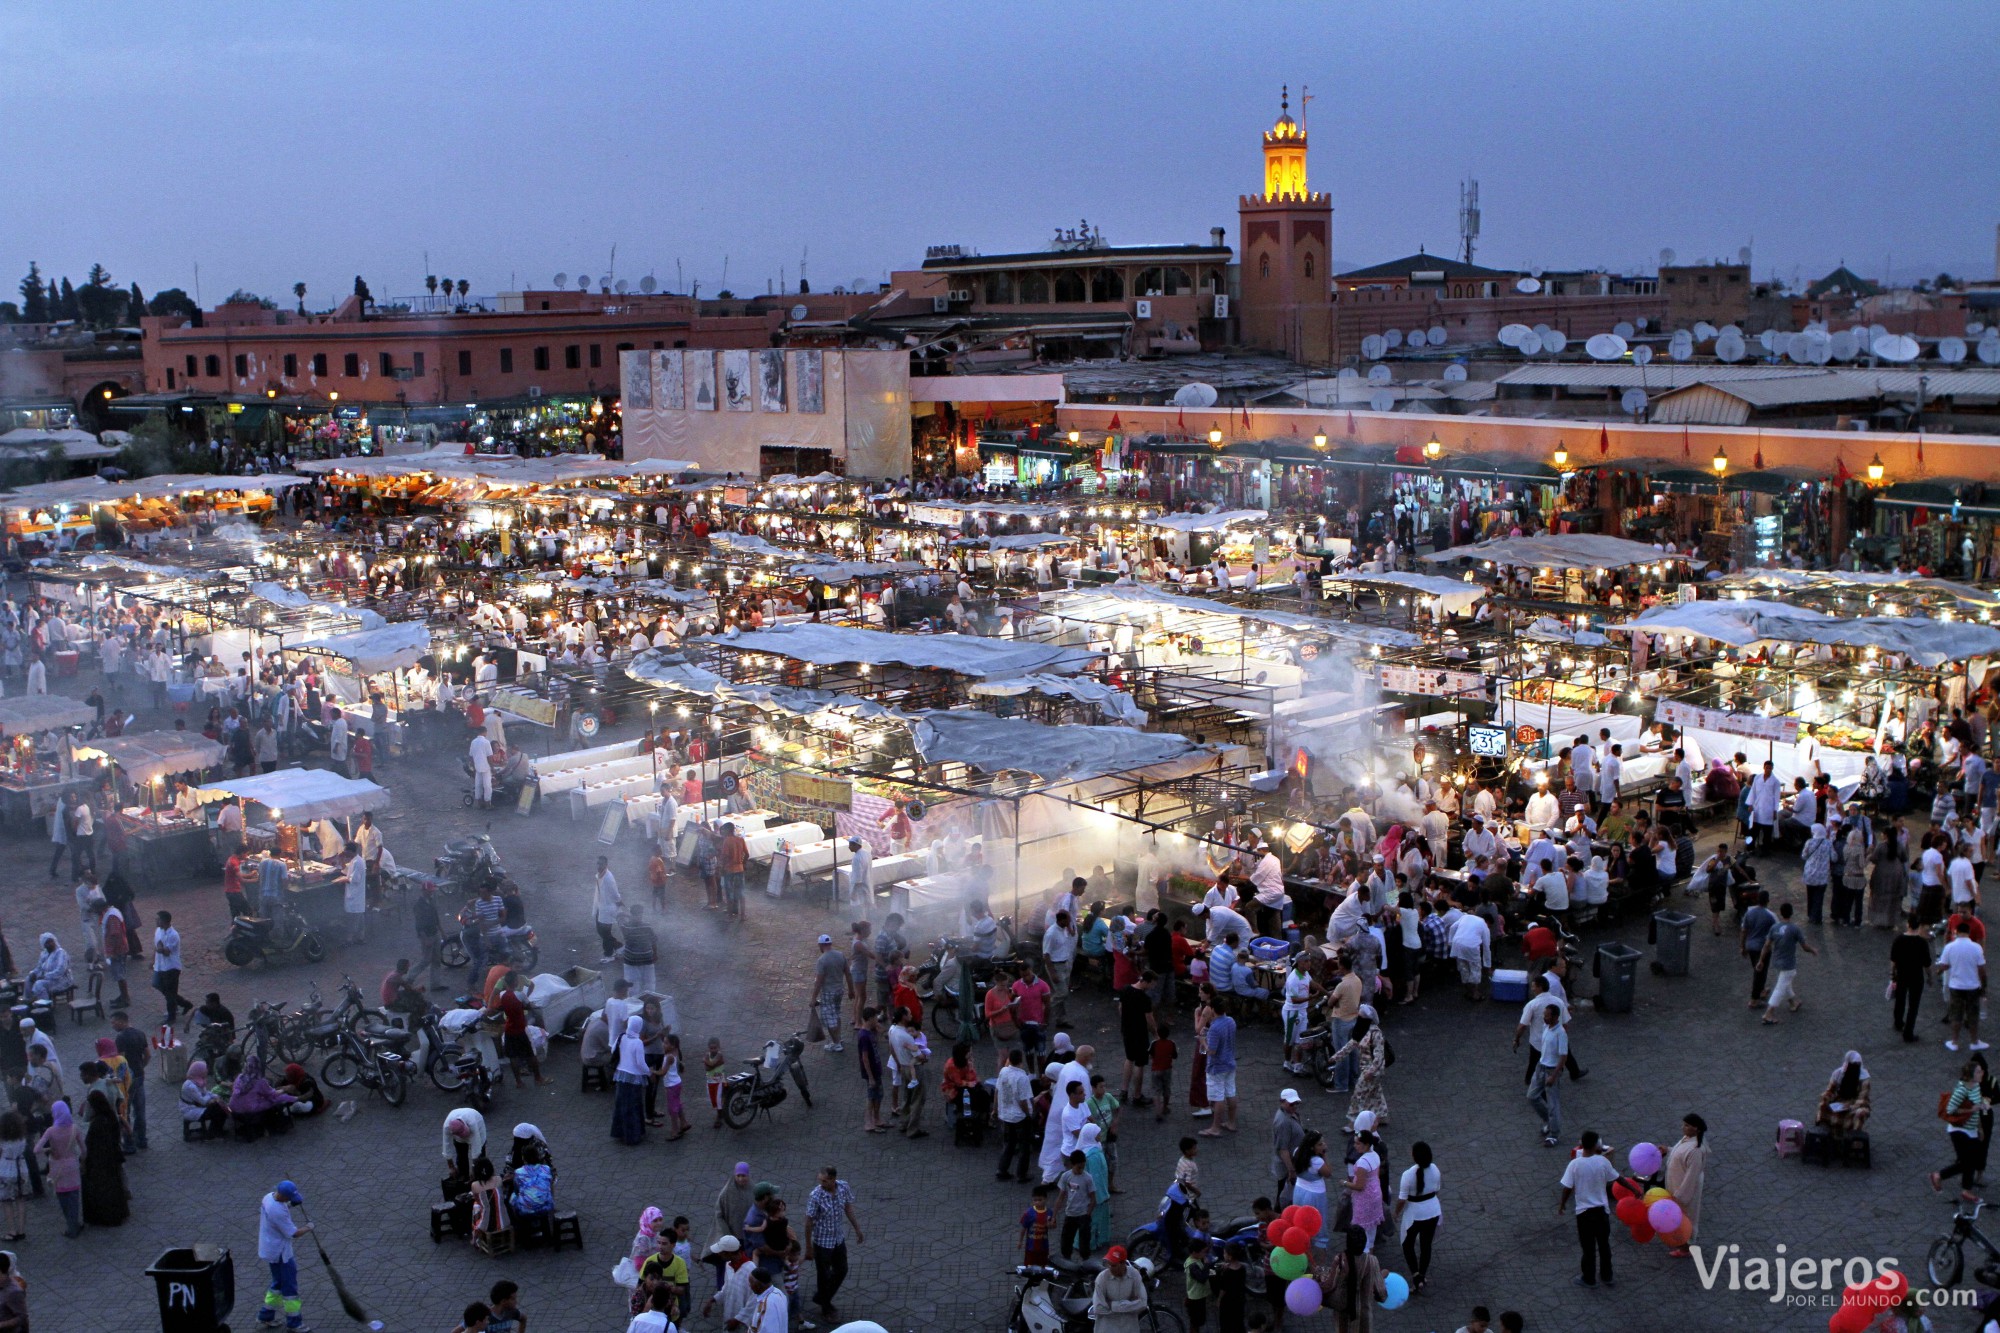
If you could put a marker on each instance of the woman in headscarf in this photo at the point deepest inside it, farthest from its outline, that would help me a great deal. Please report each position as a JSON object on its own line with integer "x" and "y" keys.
{"x": 309, "y": 1100}
{"x": 1090, "y": 1142}
{"x": 1369, "y": 1043}
{"x": 531, "y": 1172}
{"x": 61, "y": 1146}
{"x": 1352, "y": 1284}
{"x": 464, "y": 1142}
{"x": 645, "y": 1244}
{"x": 118, "y": 1071}
{"x": 1817, "y": 872}
{"x": 1309, "y": 1182}
{"x": 1853, "y": 873}
{"x": 1888, "y": 876}
{"x": 252, "y": 1099}
{"x": 199, "y": 1106}
{"x": 104, "y": 1200}
{"x": 1687, "y": 1168}
{"x": 1843, "y": 1106}
{"x": 628, "y": 1083}
{"x": 51, "y": 972}
{"x": 1364, "y": 1186}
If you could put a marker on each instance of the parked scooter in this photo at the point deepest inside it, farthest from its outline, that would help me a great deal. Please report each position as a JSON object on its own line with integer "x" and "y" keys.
{"x": 762, "y": 1086}
{"x": 467, "y": 865}
{"x": 254, "y": 937}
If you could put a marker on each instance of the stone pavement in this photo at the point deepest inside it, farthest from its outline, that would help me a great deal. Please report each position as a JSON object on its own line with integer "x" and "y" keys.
{"x": 941, "y": 1232}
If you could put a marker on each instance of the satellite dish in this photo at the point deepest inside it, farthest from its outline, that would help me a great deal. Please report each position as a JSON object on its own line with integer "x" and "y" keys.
{"x": 1796, "y": 348}
{"x": 1819, "y": 347}
{"x": 1605, "y": 347}
{"x": 1730, "y": 331}
{"x": 1542, "y": 332}
{"x": 1435, "y": 335}
{"x": 1531, "y": 343}
{"x": 1729, "y": 346}
{"x": 620, "y": 286}
{"x": 1895, "y": 347}
{"x": 1382, "y": 400}
{"x": 1392, "y": 338}
{"x": 1743, "y": 256}
{"x": 1667, "y": 258}
{"x": 1510, "y": 335}
{"x": 1622, "y": 329}
{"x": 1454, "y": 374}
{"x": 1633, "y": 401}
{"x": 1951, "y": 349}
{"x": 1988, "y": 351}
{"x": 1528, "y": 286}
{"x": 583, "y": 282}
{"x": 562, "y": 280}
{"x": 1877, "y": 331}
{"x": 1768, "y": 340}
{"x": 649, "y": 284}
{"x": 1349, "y": 373}
{"x": 1554, "y": 340}
{"x": 1642, "y": 356}
{"x": 1536, "y": 270}
{"x": 1380, "y": 375}
{"x": 1643, "y": 323}
{"x": 1845, "y": 345}
{"x": 800, "y": 312}
{"x": 1703, "y": 330}
{"x": 1681, "y": 346}
{"x": 1373, "y": 346}
{"x": 1975, "y": 326}
{"x": 1195, "y": 395}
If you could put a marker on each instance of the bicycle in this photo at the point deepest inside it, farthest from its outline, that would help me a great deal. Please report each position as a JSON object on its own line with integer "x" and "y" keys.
{"x": 1945, "y": 1260}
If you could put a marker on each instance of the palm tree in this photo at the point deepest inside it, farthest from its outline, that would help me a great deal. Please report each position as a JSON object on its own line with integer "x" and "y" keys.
{"x": 463, "y": 288}
{"x": 431, "y": 283}
{"x": 299, "y": 290}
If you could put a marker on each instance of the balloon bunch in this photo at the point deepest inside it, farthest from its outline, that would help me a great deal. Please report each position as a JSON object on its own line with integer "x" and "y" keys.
{"x": 1860, "y": 1304}
{"x": 1291, "y": 1235}
{"x": 1647, "y": 1213}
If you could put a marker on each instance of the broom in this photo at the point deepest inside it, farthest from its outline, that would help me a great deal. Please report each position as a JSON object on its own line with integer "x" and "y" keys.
{"x": 355, "y": 1310}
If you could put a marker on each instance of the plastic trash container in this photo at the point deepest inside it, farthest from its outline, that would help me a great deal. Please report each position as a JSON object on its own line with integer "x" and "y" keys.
{"x": 197, "y": 1288}
{"x": 1671, "y": 934}
{"x": 1617, "y": 971}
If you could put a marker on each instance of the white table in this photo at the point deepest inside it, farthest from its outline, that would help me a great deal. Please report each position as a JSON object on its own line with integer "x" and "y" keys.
{"x": 812, "y": 858}
{"x": 765, "y": 841}
{"x": 885, "y": 870}
{"x": 716, "y": 812}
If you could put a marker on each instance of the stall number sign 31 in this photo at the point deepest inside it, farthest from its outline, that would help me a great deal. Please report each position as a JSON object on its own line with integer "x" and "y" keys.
{"x": 1489, "y": 742}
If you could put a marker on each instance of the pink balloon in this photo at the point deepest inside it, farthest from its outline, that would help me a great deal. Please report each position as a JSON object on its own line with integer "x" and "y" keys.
{"x": 1644, "y": 1159}
{"x": 1302, "y": 1296}
{"x": 1664, "y": 1216}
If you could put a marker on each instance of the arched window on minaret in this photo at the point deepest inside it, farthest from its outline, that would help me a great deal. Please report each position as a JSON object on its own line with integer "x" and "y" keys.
{"x": 1309, "y": 266}
{"x": 1264, "y": 266}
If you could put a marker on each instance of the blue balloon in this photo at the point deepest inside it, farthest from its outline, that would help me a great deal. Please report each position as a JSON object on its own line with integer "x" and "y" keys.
{"x": 1399, "y": 1291}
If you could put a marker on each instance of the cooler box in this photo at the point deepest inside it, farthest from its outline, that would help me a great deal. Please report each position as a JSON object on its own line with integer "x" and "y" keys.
{"x": 66, "y": 662}
{"x": 1510, "y": 983}
{"x": 1267, "y": 950}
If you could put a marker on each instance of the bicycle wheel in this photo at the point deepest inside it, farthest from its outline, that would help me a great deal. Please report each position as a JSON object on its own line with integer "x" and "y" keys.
{"x": 737, "y": 1108}
{"x": 1945, "y": 1261}
{"x": 444, "y": 1069}
{"x": 1320, "y": 1065}
{"x": 394, "y": 1087}
{"x": 452, "y": 953}
{"x": 1159, "y": 1319}
{"x": 340, "y": 1070}
{"x": 944, "y": 1017}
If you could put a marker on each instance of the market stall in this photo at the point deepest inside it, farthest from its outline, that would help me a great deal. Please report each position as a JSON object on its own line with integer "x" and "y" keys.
{"x": 37, "y": 767}
{"x": 160, "y": 842}
{"x": 292, "y": 813}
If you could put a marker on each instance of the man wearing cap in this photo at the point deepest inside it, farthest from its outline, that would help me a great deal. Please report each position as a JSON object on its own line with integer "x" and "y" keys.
{"x": 732, "y": 1279}
{"x": 1288, "y": 1133}
{"x": 766, "y": 1309}
{"x": 1118, "y": 1297}
{"x": 275, "y": 1230}
{"x": 1478, "y": 840}
{"x": 831, "y": 987}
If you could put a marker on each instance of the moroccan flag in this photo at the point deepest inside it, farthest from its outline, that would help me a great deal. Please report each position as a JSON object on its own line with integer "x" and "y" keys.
{"x": 1920, "y": 446}
{"x": 1115, "y": 423}
{"x": 1603, "y": 440}
{"x": 1686, "y": 451}
{"x": 1180, "y": 420}
{"x": 1350, "y": 423}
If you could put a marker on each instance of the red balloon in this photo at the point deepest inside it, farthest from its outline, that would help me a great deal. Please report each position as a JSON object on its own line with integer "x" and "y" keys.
{"x": 1850, "y": 1319}
{"x": 1298, "y": 1240}
{"x": 1643, "y": 1232}
{"x": 1309, "y": 1218}
{"x": 1292, "y": 1216}
{"x": 1275, "y": 1233}
{"x": 1623, "y": 1189}
{"x": 1631, "y": 1210}
{"x": 1884, "y": 1293}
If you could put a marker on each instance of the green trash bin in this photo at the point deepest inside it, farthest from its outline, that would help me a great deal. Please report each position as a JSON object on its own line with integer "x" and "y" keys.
{"x": 1617, "y": 971}
{"x": 197, "y": 1288}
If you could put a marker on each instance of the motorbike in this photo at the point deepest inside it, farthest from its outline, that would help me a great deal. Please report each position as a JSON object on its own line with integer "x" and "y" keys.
{"x": 938, "y": 983}
{"x": 1150, "y": 1240}
{"x": 475, "y": 1080}
{"x": 519, "y": 949}
{"x": 1056, "y": 1299}
{"x": 254, "y": 937}
{"x": 507, "y": 782}
{"x": 374, "y": 1062}
{"x": 467, "y": 865}
{"x": 759, "y": 1088}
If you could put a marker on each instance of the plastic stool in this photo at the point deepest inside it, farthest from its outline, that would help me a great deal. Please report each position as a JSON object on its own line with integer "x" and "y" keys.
{"x": 1854, "y": 1150}
{"x": 1791, "y": 1138}
{"x": 1819, "y": 1147}
{"x": 567, "y": 1228}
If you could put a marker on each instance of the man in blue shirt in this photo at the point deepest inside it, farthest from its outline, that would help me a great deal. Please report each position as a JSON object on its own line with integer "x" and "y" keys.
{"x": 1758, "y": 923}
{"x": 275, "y": 1230}
{"x": 1221, "y": 1071}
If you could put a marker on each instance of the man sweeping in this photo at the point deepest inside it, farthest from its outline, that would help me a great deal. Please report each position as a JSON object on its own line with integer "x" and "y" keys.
{"x": 275, "y": 1230}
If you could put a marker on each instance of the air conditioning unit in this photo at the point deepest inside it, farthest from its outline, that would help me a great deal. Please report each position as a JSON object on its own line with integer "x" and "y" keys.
{"x": 940, "y": 304}
{"x": 534, "y": 391}
{"x": 1142, "y": 309}
{"x": 962, "y": 294}
{"x": 1222, "y": 307}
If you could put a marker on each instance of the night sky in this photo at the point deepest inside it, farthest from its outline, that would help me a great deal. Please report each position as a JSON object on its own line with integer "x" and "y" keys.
{"x": 275, "y": 144}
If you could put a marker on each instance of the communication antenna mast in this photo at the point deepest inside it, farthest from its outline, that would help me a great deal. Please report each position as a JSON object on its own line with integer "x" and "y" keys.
{"x": 1305, "y": 106}
{"x": 1468, "y": 218}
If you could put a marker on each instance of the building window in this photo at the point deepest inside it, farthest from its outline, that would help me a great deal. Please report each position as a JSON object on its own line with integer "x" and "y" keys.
{"x": 541, "y": 358}
{"x": 387, "y": 361}
{"x": 1264, "y": 266}
{"x": 319, "y": 363}
{"x": 291, "y": 365}
{"x": 242, "y": 366}
{"x": 596, "y": 356}
{"x": 1034, "y": 289}
{"x": 506, "y": 361}
{"x": 170, "y": 377}
{"x": 626, "y": 347}
{"x": 350, "y": 365}
{"x": 417, "y": 364}
{"x": 1069, "y": 286}
{"x": 1309, "y": 266}
{"x": 999, "y": 289}
{"x": 572, "y": 357}
{"x": 211, "y": 366}
{"x": 1107, "y": 284}
{"x": 465, "y": 363}
{"x": 191, "y": 371}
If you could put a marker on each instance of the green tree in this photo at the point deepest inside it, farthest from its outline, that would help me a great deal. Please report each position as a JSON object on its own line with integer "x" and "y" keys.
{"x": 64, "y": 306}
{"x": 10, "y": 313}
{"x": 243, "y": 296}
{"x": 431, "y": 284}
{"x": 173, "y": 301}
{"x": 135, "y": 304}
{"x": 463, "y": 288}
{"x": 98, "y": 301}
{"x": 361, "y": 290}
{"x": 299, "y": 291}
{"x": 34, "y": 296}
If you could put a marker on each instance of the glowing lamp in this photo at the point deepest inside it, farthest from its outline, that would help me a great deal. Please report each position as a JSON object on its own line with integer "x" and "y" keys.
{"x": 1561, "y": 456}
{"x": 1875, "y": 470}
{"x": 1720, "y": 462}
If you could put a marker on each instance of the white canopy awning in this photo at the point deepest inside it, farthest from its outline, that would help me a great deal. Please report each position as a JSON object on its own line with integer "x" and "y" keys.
{"x": 994, "y": 744}
{"x": 1132, "y": 604}
{"x": 299, "y": 795}
{"x": 1206, "y": 522}
{"x": 1452, "y": 594}
{"x": 966, "y": 654}
{"x": 1576, "y": 550}
{"x": 843, "y": 571}
{"x": 384, "y": 648}
{"x": 1925, "y": 642}
{"x": 1833, "y": 580}
{"x": 453, "y": 462}
{"x": 279, "y": 595}
{"x": 1113, "y": 703}
{"x": 1026, "y": 541}
{"x": 28, "y": 713}
{"x": 147, "y": 755}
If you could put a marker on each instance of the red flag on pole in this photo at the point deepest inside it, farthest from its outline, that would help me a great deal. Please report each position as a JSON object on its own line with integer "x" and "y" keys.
{"x": 1115, "y": 423}
{"x": 1603, "y": 440}
{"x": 1758, "y": 461}
{"x": 1180, "y": 420}
{"x": 1246, "y": 416}
{"x": 1840, "y": 472}
{"x": 1686, "y": 449}
{"x": 1920, "y": 446}
{"x": 1350, "y": 423}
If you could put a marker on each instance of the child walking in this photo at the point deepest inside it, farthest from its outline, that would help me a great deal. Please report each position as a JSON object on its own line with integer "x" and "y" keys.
{"x": 712, "y": 1067}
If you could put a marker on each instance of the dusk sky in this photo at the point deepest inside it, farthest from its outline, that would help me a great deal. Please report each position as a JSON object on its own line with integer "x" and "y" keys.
{"x": 276, "y": 144}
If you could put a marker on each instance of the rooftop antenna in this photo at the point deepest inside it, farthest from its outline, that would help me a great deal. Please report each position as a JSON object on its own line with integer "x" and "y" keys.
{"x": 612, "y": 272}
{"x": 680, "y": 283}
{"x": 1468, "y": 218}
{"x": 1305, "y": 102}
{"x": 725, "y": 275}
{"x": 803, "y": 252}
